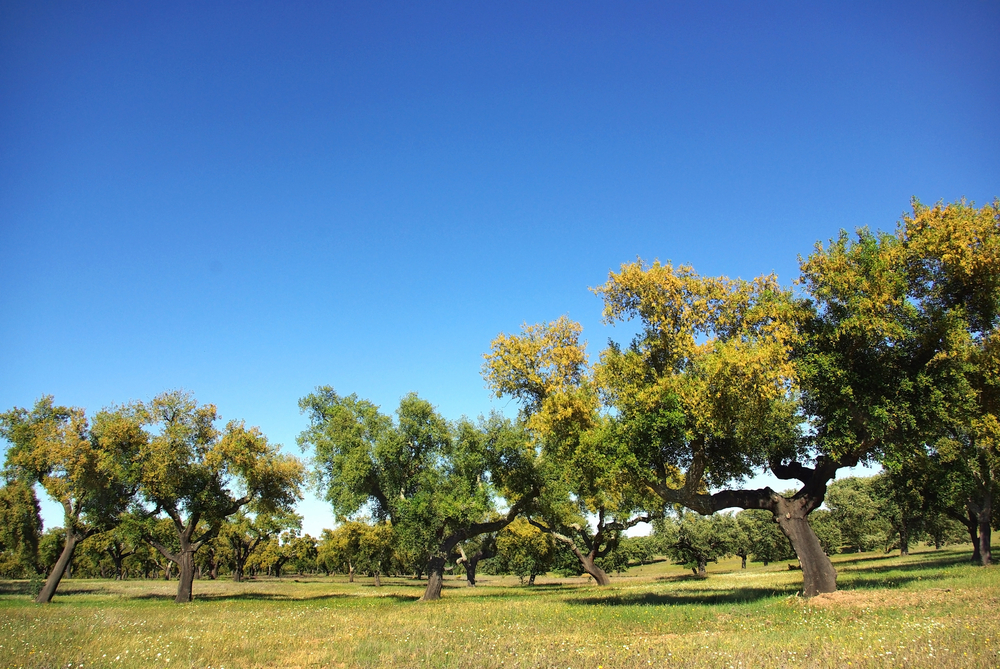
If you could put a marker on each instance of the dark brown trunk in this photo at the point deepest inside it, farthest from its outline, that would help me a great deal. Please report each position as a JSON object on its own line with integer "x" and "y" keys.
{"x": 62, "y": 564}
{"x": 972, "y": 525}
{"x": 531, "y": 579}
{"x": 437, "y": 561}
{"x": 744, "y": 562}
{"x": 435, "y": 579}
{"x": 600, "y": 576}
{"x": 818, "y": 574}
{"x": 904, "y": 540}
{"x": 185, "y": 581}
{"x": 985, "y": 534}
{"x": 486, "y": 551}
{"x": 470, "y": 571}
{"x": 702, "y": 567}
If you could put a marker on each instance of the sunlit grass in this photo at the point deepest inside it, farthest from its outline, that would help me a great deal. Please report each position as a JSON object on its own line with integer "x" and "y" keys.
{"x": 930, "y": 609}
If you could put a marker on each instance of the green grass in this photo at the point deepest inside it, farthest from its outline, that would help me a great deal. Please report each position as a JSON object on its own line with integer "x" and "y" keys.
{"x": 930, "y": 609}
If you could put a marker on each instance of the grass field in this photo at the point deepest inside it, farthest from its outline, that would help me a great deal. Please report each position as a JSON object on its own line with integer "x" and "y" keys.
{"x": 930, "y": 609}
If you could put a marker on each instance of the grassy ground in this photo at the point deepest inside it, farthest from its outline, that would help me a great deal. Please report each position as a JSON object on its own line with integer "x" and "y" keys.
{"x": 930, "y": 609}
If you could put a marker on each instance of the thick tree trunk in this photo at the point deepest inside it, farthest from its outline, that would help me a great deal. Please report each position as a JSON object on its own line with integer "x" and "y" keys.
{"x": 62, "y": 564}
{"x": 531, "y": 579}
{"x": 985, "y": 532}
{"x": 904, "y": 540}
{"x": 818, "y": 574}
{"x": 435, "y": 579}
{"x": 702, "y": 568}
{"x": 378, "y": 580}
{"x": 600, "y": 576}
{"x": 185, "y": 581}
{"x": 744, "y": 557}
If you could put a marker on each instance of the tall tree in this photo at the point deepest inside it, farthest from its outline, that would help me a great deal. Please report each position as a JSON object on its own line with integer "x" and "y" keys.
{"x": 584, "y": 466}
{"x": 191, "y": 472}
{"x": 895, "y": 344}
{"x": 83, "y": 466}
{"x": 438, "y": 483}
{"x": 953, "y": 266}
{"x": 705, "y": 396}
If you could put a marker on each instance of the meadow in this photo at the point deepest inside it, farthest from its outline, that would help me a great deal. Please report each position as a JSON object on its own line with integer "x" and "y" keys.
{"x": 928, "y": 609}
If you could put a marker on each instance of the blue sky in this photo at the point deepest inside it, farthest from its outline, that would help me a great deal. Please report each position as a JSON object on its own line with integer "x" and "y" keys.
{"x": 247, "y": 200}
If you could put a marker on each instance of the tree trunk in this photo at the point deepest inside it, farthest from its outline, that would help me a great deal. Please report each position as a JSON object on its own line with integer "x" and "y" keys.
{"x": 486, "y": 551}
{"x": 378, "y": 580}
{"x": 818, "y": 574}
{"x": 119, "y": 571}
{"x": 531, "y": 579}
{"x": 62, "y": 564}
{"x": 435, "y": 579}
{"x": 744, "y": 561}
{"x": 702, "y": 567}
{"x": 600, "y": 576}
{"x": 185, "y": 580}
{"x": 470, "y": 571}
{"x": 350, "y": 572}
{"x": 985, "y": 516}
{"x": 904, "y": 540}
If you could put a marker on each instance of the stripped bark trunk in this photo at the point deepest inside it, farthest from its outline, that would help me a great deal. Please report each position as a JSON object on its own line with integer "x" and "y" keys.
{"x": 818, "y": 574}
{"x": 62, "y": 564}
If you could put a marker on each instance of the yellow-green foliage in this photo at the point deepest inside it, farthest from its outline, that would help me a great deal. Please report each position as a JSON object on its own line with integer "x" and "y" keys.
{"x": 930, "y": 609}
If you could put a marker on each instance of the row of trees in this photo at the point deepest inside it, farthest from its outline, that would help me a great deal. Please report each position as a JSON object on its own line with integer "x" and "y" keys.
{"x": 886, "y": 352}
{"x": 142, "y": 468}
{"x": 860, "y": 514}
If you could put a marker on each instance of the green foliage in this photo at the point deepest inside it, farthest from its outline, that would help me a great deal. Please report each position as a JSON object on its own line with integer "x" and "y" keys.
{"x": 84, "y": 466}
{"x": 694, "y": 540}
{"x": 523, "y": 550}
{"x": 853, "y": 506}
{"x": 20, "y": 530}
{"x": 188, "y": 467}
{"x": 705, "y": 384}
{"x": 429, "y": 477}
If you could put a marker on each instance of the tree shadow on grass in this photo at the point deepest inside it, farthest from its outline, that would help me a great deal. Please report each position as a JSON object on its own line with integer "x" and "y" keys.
{"x": 686, "y": 597}
{"x": 270, "y": 597}
{"x": 941, "y": 562}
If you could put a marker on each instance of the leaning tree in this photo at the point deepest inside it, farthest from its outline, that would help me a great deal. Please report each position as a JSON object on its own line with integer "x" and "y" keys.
{"x": 894, "y": 344}
{"x": 83, "y": 465}
{"x": 584, "y": 467}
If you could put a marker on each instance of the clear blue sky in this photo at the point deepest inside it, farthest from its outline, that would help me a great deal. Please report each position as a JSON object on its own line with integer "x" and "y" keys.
{"x": 248, "y": 200}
